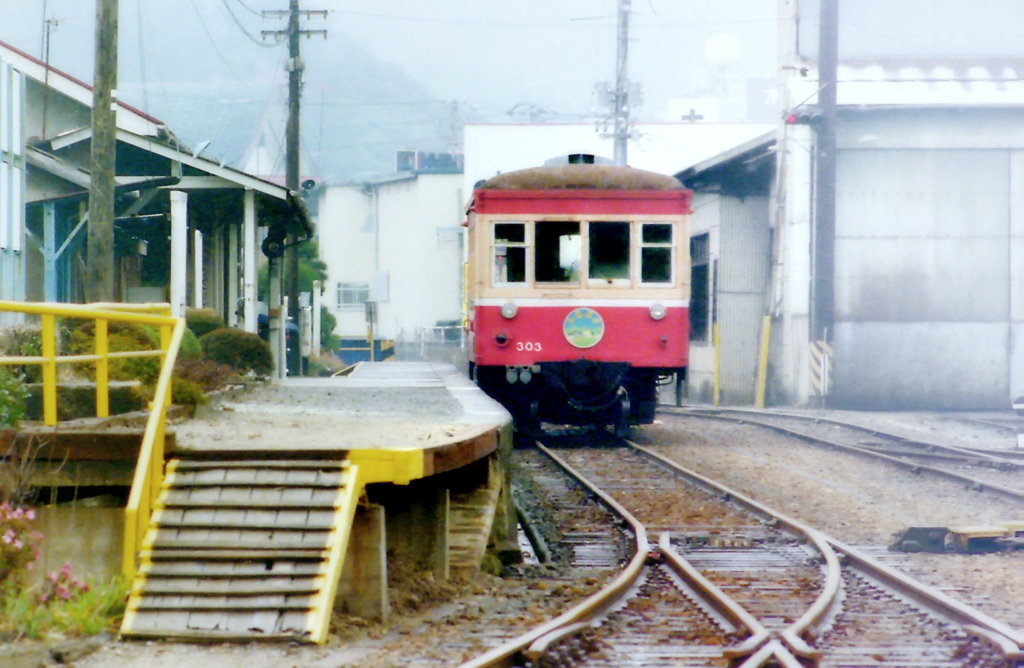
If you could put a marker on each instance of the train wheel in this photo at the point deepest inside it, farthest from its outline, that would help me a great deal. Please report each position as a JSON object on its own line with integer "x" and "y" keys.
{"x": 622, "y": 411}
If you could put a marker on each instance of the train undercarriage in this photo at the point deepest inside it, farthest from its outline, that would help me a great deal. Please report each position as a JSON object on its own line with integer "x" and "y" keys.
{"x": 580, "y": 392}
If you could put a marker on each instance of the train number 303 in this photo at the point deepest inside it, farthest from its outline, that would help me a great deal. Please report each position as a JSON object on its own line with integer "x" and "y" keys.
{"x": 529, "y": 346}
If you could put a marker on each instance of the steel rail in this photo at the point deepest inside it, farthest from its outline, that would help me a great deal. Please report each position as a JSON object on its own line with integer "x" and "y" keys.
{"x": 723, "y": 604}
{"x": 817, "y": 616}
{"x": 982, "y": 457}
{"x": 974, "y": 622}
{"x": 537, "y": 642}
{"x": 757, "y": 634}
{"x": 914, "y": 467}
{"x": 578, "y": 617}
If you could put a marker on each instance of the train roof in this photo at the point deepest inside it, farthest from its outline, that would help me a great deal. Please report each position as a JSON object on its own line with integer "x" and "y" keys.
{"x": 581, "y": 176}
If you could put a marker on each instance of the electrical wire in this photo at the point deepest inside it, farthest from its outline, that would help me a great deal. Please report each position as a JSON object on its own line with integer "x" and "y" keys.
{"x": 249, "y": 8}
{"x": 252, "y": 38}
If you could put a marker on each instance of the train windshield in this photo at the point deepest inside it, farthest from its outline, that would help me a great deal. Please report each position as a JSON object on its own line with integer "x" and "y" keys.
{"x": 556, "y": 251}
{"x": 609, "y": 251}
{"x": 509, "y": 253}
{"x": 656, "y": 253}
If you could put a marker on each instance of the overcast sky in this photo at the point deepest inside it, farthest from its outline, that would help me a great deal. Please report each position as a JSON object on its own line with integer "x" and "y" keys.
{"x": 489, "y": 54}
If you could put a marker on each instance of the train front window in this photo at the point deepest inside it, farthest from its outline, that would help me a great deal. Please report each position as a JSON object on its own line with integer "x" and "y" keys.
{"x": 656, "y": 253}
{"x": 509, "y": 253}
{"x": 609, "y": 251}
{"x": 556, "y": 252}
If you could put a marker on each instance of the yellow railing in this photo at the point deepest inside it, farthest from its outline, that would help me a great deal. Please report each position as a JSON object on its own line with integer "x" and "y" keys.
{"x": 149, "y": 469}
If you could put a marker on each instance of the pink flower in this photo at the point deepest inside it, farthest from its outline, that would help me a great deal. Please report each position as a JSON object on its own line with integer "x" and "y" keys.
{"x": 29, "y": 565}
{"x": 18, "y": 544}
{"x": 30, "y": 514}
{"x": 63, "y": 592}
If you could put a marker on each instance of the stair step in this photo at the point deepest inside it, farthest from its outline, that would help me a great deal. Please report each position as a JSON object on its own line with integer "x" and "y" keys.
{"x": 293, "y": 464}
{"x": 200, "y": 523}
{"x": 238, "y": 549}
{"x": 217, "y": 636}
{"x": 213, "y": 504}
{"x": 205, "y": 587}
{"x": 213, "y": 570}
{"x": 228, "y": 543}
{"x": 233, "y": 555}
{"x": 149, "y": 605}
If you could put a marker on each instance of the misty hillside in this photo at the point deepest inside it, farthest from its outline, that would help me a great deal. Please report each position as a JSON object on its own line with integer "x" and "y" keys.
{"x": 356, "y": 110}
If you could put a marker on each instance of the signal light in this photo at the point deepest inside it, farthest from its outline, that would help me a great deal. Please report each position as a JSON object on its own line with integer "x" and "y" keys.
{"x": 803, "y": 117}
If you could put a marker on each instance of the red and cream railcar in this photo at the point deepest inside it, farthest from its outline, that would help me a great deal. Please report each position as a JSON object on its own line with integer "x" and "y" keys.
{"x": 578, "y": 292}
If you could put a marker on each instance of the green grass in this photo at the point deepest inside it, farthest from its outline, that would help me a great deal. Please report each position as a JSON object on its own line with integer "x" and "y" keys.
{"x": 85, "y": 613}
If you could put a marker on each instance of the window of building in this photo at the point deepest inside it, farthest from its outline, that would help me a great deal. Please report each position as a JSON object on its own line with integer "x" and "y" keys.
{"x": 509, "y": 253}
{"x": 609, "y": 251}
{"x": 557, "y": 252}
{"x": 656, "y": 253}
{"x": 352, "y": 295}
{"x": 700, "y": 287}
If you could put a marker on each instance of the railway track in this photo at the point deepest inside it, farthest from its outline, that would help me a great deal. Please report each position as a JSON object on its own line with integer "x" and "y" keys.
{"x": 731, "y": 582}
{"x": 995, "y": 472}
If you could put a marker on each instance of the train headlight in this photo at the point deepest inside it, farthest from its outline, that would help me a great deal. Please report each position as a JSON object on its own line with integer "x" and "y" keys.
{"x": 509, "y": 310}
{"x": 657, "y": 311}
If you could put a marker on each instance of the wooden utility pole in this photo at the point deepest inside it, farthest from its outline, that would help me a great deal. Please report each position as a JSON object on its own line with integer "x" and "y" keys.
{"x": 621, "y": 109}
{"x": 295, "y": 66}
{"x": 99, "y": 283}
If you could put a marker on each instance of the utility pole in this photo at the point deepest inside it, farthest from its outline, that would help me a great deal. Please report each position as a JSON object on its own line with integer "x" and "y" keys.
{"x": 621, "y": 111}
{"x": 294, "y": 66}
{"x": 823, "y": 306}
{"x": 103, "y": 148}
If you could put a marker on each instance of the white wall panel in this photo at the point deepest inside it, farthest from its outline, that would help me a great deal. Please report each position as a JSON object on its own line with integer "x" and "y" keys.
{"x": 922, "y": 365}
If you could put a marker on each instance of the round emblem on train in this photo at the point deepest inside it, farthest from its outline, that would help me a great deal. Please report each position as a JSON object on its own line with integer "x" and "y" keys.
{"x": 583, "y": 327}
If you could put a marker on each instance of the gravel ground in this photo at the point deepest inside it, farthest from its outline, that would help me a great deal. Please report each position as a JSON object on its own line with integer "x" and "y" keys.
{"x": 862, "y": 503}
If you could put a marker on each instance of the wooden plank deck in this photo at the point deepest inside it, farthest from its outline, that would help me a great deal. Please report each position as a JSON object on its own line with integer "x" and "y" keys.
{"x": 238, "y": 549}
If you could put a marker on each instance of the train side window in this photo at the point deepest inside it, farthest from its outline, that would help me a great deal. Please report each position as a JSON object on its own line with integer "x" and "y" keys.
{"x": 556, "y": 251}
{"x": 700, "y": 287}
{"x": 509, "y": 253}
{"x": 609, "y": 252}
{"x": 656, "y": 253}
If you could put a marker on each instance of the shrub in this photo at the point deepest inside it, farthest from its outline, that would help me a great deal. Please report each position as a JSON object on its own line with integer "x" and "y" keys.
{"x": 19, "y": 543}
{"x": 207, "y": 373}
{"x": 190, "y": 348}
{"x": 242, "y": 350}
{"x": 186, "y": 393}
{"x": 62, "y": 605}
{"x": 202, "y": 320}
{"x": 23, "y": 341}
{"x": 12, "y": 397}
{"x": 121, "y": 337}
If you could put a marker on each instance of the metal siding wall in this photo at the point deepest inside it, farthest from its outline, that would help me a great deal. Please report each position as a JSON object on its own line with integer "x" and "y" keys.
{"x": 922, "y": 279}
{"x": 743, "y": 280}
{"x": 1016, "y": 334}
{"x": 12, "y": 187}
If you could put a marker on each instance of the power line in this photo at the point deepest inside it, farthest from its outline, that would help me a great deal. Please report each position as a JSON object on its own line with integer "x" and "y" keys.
{"x": 213, "y": 42}
{"x": 248, "y": 7}
{"x": 252, "y": 38}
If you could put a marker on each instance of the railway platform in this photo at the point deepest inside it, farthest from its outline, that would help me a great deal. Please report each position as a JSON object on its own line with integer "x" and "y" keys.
{"x": 288, "y": 502}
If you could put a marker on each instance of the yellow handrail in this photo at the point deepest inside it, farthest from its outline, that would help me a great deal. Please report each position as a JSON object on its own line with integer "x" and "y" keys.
{"x": 148, "y": 314}
{"x": 149, "y": 470}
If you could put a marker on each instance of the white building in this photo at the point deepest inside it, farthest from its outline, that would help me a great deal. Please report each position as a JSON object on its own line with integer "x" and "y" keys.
{"x": 396, "y": 241}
